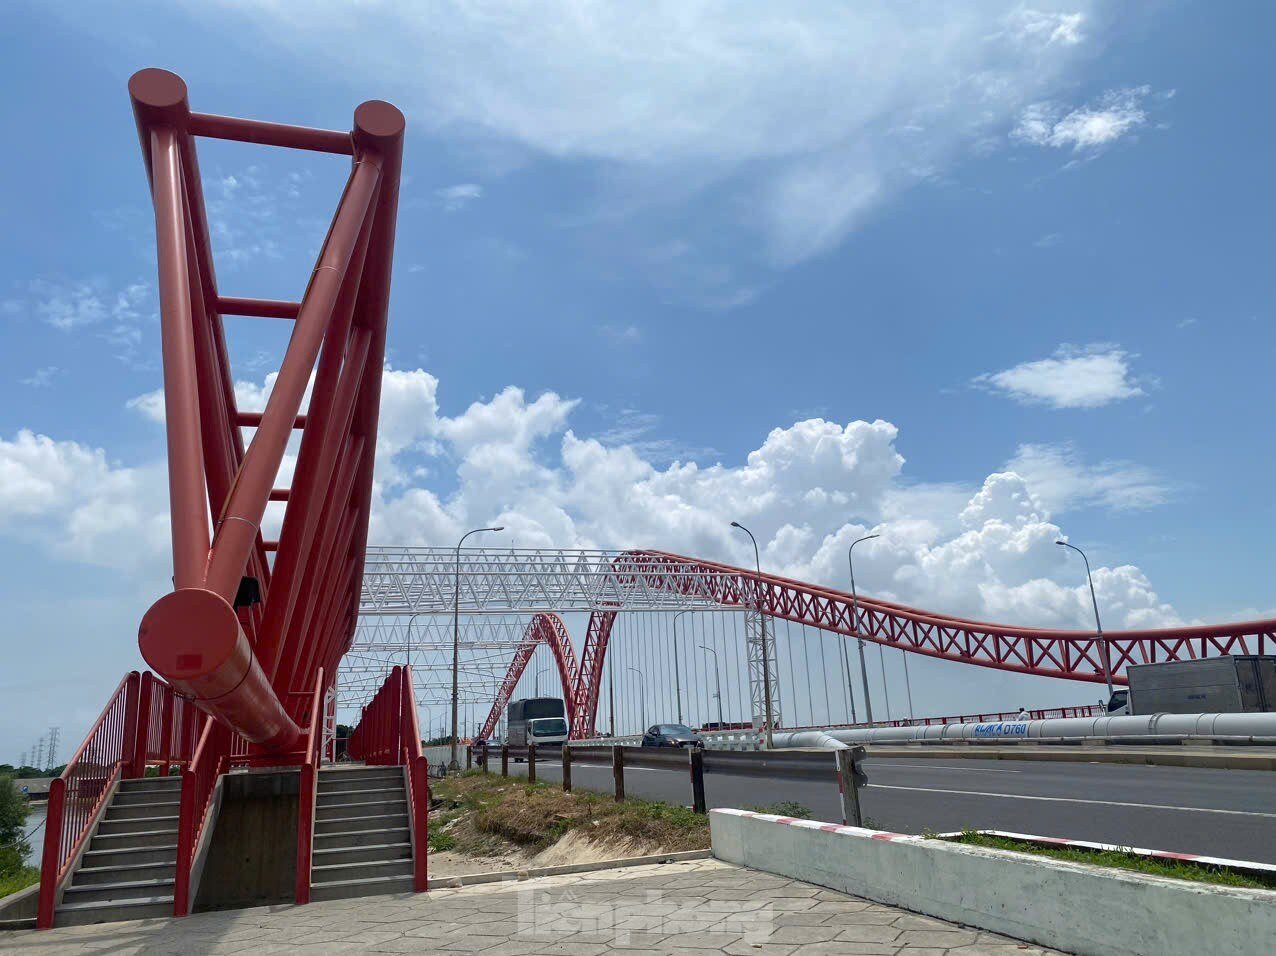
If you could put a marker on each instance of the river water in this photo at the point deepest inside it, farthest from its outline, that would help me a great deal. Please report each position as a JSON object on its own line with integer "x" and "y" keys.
{"x": 36, "y": 840}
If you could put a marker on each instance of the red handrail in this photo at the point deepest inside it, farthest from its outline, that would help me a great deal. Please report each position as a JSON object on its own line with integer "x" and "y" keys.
{"x": 308, "y": 794}
{"x": 199, "y": 778}
{"x": 388, "y": 735}
{"x": 418, "y": 783}
{"x": 129, "y": 734}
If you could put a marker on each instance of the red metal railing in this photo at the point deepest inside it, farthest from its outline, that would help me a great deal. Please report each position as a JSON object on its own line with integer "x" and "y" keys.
{"x": 308, "y": 793}
{"x": 134, "y": 729}
{"x": 199, "y": 778}
{"x": 388, "y": 735}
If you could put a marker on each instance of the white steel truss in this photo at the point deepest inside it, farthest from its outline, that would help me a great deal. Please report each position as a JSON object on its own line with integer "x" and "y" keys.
{"x": 406, "y": 581}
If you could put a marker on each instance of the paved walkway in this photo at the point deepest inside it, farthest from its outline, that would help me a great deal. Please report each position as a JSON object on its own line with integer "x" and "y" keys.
{"x": 701, "y": 907}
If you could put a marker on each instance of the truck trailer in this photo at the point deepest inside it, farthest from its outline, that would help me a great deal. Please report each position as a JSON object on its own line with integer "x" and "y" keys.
{"x": 1234, "y": 684}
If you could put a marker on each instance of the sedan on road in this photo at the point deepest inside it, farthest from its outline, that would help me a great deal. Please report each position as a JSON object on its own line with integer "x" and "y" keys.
{"x": 671, "y": 735}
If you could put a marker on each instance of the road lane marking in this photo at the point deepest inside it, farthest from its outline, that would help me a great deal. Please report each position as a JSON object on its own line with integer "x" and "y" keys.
{"x": 1101, "y": 803}
{"x": 923, "y": 766}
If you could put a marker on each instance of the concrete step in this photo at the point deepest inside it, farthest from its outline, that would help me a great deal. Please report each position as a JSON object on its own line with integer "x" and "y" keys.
{"x": 150, "y": 784}
{"x": 114, "y": 892}
{"x": 131, "y": 798}
{"x": 130, "y": 856}
{"x": 375, "y": 853}
{"x": 135, "y": 811}
{"x": 137, "y": 824}
{"x": 124, "y": 873}
{"x": 161, "y": 837}
{"x": 348, "y": 889}
{"x": 368, "y": 795}
{"x": 83, "y": 914}
{"x": 354, "y": 824}
{"x": 329, "y": 774}
{"x": 349, "y": 839}
{"x": 359, "y": 784}
{"x": 330, "y": 810}
{"x": 340, "y": 872}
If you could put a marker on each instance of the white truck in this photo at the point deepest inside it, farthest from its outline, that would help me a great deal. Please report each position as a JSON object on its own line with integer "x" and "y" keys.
{"x": 538, "y": 720}
{"x": 1233, "y": 684}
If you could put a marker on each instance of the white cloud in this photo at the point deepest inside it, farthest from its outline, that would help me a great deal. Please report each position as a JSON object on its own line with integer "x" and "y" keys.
{"x": 806, "y": 491}
{"x": 1061, "y": 28}
{"x": 71, "y": 499}
{"x": 1062, "y": 481}
{"x": 459, "y": 196}
{"x": 1089, "y": 127}
{"x": 789, "y": 113}
{"x": 117, "y": 313}
{"x": 42, "y": 377}
{"x": 1071, "y": 378}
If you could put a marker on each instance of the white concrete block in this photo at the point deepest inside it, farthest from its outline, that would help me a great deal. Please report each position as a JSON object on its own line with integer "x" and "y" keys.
{"x": 1075, "y": 907}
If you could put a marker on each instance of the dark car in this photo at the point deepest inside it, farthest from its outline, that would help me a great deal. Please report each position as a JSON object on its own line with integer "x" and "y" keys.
{"x": 671, "y": 735}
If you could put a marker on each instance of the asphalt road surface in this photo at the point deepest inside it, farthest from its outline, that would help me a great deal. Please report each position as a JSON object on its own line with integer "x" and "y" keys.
{"x": 1225, "y": 813}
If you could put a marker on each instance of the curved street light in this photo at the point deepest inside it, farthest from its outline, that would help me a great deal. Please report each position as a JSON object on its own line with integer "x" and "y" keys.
{"x": 642, "y": 694}
{"x": 677, "y": 678}
{"x": 717, "y": 680}
{"x": 1098, "y": 625}
{"x": 855, "y": 620}
{"x": 766, "y": 660}
{"x": 454, "y": 764}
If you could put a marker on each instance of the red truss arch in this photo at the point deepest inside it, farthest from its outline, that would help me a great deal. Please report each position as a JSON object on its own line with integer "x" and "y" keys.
{"x": 1044, "y": 652}
{"x": 542, "y": 629}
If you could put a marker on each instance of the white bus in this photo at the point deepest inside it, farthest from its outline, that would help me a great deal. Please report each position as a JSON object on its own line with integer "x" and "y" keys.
{"x": 538, "y": 720}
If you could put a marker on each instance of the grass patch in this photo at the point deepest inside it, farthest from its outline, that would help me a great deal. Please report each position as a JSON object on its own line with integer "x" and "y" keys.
{"x": 441, "y": 841}
{"x": 18, "y": 879}
{"x": 1124, "y": 860}
{"x": 535, "y": 816}
{"x": 785, "y": 808}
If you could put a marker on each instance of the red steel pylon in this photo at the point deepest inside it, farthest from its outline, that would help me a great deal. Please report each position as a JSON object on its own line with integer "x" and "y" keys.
{"x": 242, "y": 636}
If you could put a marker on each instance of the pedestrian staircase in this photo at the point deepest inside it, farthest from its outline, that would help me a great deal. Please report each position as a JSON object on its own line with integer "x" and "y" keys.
{"x": 128, "y": 870}
{"x": 363, "y": 838}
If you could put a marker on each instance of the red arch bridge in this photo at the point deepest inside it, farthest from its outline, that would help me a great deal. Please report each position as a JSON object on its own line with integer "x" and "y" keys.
{"x": 683, "y": 639}
{"x": 275, "y": 592}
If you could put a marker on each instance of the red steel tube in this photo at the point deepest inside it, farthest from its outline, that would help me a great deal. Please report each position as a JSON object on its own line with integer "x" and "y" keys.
{"x": 194, "y": 639}
{"x": 271, "y": 134}
{"x": 241, "y": 517}
{"x": 257, "y": 308}
{"x": 188, "y": 494}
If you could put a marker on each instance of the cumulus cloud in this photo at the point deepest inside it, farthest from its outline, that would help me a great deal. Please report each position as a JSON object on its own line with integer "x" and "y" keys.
{"x": 1090, "y": 127}
{"x": 71, "y": 499}
{"x": 807, "y": 490}
{"x": 1073, "y": 377}
{"x": 811, "y": 115}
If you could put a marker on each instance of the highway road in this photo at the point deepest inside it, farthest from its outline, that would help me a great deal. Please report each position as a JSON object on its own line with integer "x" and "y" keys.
{"x": 1226, "y": 813}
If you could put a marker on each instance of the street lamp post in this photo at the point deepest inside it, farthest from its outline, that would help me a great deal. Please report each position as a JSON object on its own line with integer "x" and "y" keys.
{"x": 855, "y": 622}
{"x": 717, "y": 681}
{"x": 766, "y": 660}
{"x": 454, "y": 764}
{"x": 1098, "y": 625}
{"x": 642, "y": 695}
{"x": 677, "y": 678}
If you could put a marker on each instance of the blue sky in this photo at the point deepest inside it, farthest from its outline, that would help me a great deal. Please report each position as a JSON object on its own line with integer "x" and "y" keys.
{"x": 1034, "y": 239}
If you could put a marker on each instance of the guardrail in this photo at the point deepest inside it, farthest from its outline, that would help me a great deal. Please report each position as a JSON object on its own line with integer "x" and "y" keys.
{"x": 844, "y": 765}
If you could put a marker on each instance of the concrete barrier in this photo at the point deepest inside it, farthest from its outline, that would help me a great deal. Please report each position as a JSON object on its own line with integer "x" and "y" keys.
{"x": 1076, "y": 907}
